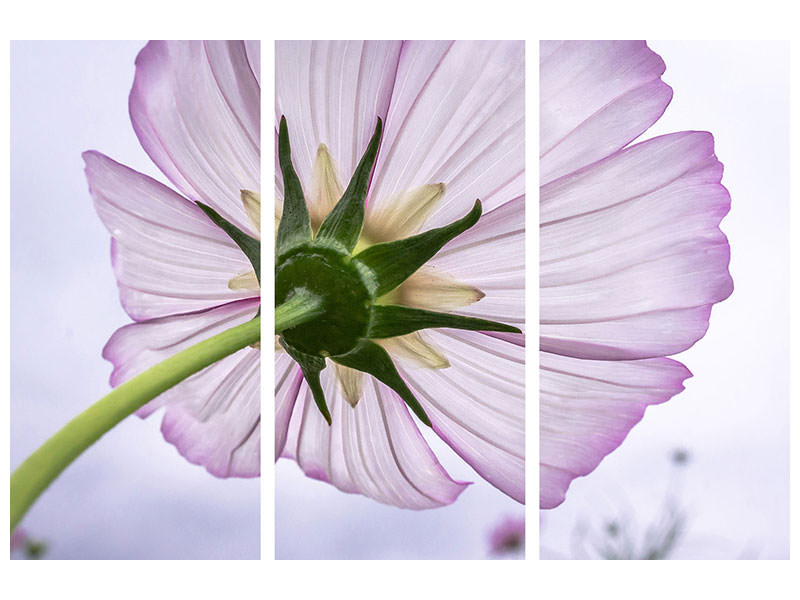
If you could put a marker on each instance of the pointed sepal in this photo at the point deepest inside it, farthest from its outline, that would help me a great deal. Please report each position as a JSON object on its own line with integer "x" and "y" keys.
{"x": 371, "y": 358}
{"x": 249, "y": 245}
{"x": 311, "y": 366}
{"x": 343, "y": 224}
{"x": 391, "y": 321}
{"x": 295, "y": 226}
{"x": 391, "y": 263}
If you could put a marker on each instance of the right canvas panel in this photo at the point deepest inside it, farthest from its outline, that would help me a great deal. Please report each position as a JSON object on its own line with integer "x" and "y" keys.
{"x": 664, "y": 300}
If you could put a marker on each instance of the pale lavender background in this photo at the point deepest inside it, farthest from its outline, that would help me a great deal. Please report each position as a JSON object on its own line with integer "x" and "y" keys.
{"x": 733, "y": 417}
{"x": 131, "y": 495}
{"x": 314, "y": 520}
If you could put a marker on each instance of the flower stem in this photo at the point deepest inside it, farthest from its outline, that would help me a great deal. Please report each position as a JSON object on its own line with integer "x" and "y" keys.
{"x": 33, "y": 476}
{"x": 302, "y": 306}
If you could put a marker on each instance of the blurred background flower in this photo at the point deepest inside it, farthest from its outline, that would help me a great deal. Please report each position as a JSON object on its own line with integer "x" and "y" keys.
{"x": 507, "y": 539}
{"x": 24, "y": 546}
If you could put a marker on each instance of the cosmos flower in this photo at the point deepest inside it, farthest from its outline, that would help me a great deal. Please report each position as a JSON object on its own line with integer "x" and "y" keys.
{"x": 18, "y": 539}
{"x": 453, "y": 132}
{"x": 195, "y": 107}
{"x": 508, "y": 537}
{"x": 24, "y": 546}
{"x": 631, "y": 254}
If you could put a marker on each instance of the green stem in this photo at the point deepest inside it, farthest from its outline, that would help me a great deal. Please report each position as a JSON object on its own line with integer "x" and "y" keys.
{"x": 302, "y": 306}
{"x": 33, "y": 476}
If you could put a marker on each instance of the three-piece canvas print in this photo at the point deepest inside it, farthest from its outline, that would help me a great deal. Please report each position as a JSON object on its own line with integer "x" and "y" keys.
{"x": 400, "y": 290}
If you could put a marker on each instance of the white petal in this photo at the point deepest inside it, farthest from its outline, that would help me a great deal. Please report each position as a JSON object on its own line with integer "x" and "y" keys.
{"x": 196, "y": 109}
{"x": 595, "y": 97}
{"x": 491, "y": 257}
{"x": 633, "y": 270}
{"x": 631, "y": 254}
{"x": 331, "y": 93}
{"x": 373, "y": 448}
{"x": 218, "y": 426}
{"x": 477, "y": 405}
{"x": 456, "y": 118}
{"x": 167, "y": 254}
{"x": 213, "y": 416}
{"x": 288, "y": 379}
{"x": 253, "y": 48}
{"x": 587, "y": 408}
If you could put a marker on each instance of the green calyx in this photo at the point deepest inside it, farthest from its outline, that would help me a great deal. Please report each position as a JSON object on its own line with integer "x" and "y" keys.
{"x": 332, "y": 294}
{"x": 248, "y": 244}
{"x": 331, "y": 276}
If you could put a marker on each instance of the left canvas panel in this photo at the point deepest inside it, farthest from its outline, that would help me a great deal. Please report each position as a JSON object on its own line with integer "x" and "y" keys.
{"x": 135, "y": 205}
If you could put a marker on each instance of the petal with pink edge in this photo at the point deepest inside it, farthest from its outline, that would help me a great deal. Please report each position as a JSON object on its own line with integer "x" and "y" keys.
{"x": 491, "y": 257}
{"x": 332, "y": 92}
{"x": 218, "y": 422}
{"x": 195, "y": 108}
{"x": 632, "y": 256}
{"x": 213, "y": 416}
{"x": 168, "y": 256}
{"x": 456, "y": 117}
{"x": 374, "y": 448}
{"x": 288, "y": 380}
{"x": 253, "y": 49}
{"x": 477, "y": 404}
{"x": 587, "y": 407}
{"x": 595, "y": 97}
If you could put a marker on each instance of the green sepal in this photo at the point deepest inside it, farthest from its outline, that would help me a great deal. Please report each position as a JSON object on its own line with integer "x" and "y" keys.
{"x": 311, "y": 367}
{"x": 390, "y": 321}
{"x": 295, "y": 226}
{"x": 391, "y": 263}
{"x": 249, "y": 245}
{"x": 343, "y": 224}
{"x": 371, "y": 358}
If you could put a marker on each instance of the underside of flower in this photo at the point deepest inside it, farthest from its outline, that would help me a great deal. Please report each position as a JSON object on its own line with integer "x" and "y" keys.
{"x": 632, "y": 257}
{"x": 338, "y": 289}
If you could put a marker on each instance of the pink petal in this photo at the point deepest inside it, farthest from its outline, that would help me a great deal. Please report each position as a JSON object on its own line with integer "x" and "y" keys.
{"x": 456, "y": 117}
{"x": 213, "y": 416}
{"x": 587, "y": 408}
{"x": 477, "y": 404}
{"x": 634, "y": 171}
{"x": 491, "y": 257}
{"x": 631, "y": 253}
{"x": 219, "y": 424}
{"x": 595, "y": 97}
{"x": 253, "y": 49}
{"x": 332, "y": 93}
{"x": 195, "y": 108}
{"x": 646, "y": 335}
{"x": 288, "y": 379}
{"x": 374, "y": 449}
{"x": 168, "y": 256}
